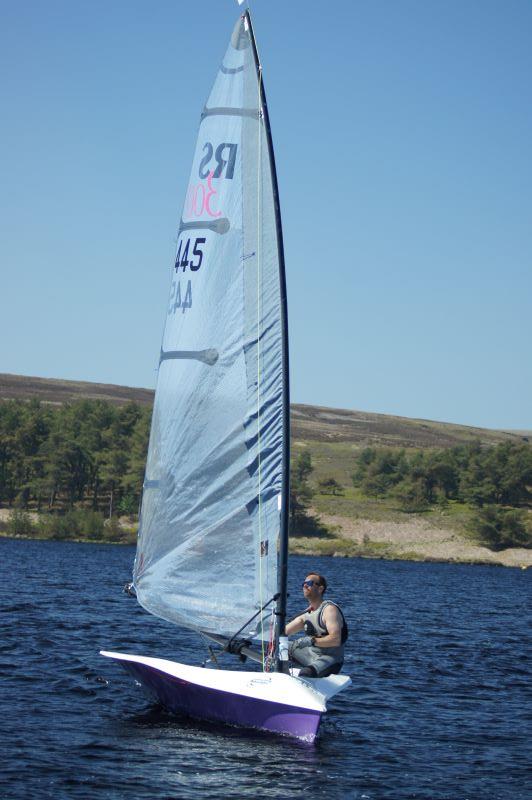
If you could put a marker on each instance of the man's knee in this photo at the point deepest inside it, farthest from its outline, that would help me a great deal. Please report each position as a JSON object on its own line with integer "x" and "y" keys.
{"x": 314, "y": 672}
{"x": 334, "y": 670}
{"x": 308, "y": 672}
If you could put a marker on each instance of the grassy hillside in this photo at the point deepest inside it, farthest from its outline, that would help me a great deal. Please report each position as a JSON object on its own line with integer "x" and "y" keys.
{"x": 350, "y": 523}
{"x": 354, "y": 524}
{"x": 56, "y": 392}
{"x": 338, "y": 432}
{"x": 351, "y": 429}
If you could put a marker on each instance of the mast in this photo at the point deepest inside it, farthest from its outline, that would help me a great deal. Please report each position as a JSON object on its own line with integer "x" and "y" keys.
{"x": 280, "y": 611}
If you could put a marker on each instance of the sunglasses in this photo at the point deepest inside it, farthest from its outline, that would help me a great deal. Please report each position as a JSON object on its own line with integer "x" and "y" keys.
{"x": 309, "y": 584}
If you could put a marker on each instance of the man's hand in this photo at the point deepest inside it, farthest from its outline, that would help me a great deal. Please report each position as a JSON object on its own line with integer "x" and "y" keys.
{"x": 235, "y": 646}
{"x": 305, "y": 641}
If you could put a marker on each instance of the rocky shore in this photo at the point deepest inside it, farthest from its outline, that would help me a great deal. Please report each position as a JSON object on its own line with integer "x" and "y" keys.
{"x": 413, "y": 540}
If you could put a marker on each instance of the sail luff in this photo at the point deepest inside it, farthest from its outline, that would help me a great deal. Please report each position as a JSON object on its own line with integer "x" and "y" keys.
{"x": 282, "y": 575}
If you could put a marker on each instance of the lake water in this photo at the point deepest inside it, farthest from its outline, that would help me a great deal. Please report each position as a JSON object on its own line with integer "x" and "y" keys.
{"x": 438, "y": 707}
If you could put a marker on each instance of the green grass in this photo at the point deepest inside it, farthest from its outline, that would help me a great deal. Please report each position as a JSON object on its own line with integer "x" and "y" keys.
{"x": 330, "y": 459}
{"x": 340, "y": 547}
{"x": 355, "y": 505}
{"x": 337, "y": 460}
{"x": 48, "y": 527}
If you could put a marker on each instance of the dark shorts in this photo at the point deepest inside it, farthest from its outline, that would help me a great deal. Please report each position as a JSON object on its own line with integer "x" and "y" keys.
{"x": 323, "y": 663}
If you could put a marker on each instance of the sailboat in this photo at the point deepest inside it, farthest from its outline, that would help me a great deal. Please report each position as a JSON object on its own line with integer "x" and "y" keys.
{"x": 213, "y": 532}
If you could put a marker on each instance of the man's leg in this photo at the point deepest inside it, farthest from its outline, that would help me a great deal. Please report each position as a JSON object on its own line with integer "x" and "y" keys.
{"x": 307, "y": 672}
{"x": 313, "y": 664}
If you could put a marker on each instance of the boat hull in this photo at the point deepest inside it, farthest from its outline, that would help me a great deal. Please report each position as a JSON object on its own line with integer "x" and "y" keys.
{"x": 277, "y": 703}
{"x": 215, "y": 705}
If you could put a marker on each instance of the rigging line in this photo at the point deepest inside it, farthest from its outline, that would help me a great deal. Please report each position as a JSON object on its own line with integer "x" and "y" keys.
{"x": 259, "y": 375}
{"x": 261, "y": 609}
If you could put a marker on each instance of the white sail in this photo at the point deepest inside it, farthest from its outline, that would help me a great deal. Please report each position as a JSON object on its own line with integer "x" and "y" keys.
{"x": 207, "y": 554}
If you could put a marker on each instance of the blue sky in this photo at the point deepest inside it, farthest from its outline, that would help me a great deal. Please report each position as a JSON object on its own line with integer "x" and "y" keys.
{"x": 403, "y": 137}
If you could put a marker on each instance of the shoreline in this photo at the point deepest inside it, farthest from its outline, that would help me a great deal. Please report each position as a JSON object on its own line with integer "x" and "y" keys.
{"x": 336, "y": 548}
{"x": 414, "y": 539}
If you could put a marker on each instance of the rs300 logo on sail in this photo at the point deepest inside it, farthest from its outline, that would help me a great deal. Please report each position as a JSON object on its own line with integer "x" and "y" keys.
{"x": 224, "y": 157}
{"x": 217, "y": 162}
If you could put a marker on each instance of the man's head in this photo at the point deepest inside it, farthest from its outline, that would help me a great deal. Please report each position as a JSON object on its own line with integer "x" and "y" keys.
{"x": 314, "y": 587}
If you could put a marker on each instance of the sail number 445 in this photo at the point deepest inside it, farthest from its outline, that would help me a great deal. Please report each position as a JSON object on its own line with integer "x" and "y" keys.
{"x": 186, "y": 257}
{"x": 183, "y": 258}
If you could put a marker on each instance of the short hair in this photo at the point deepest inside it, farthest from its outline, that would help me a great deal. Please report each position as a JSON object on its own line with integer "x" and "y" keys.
{"x": 321, "y": 580}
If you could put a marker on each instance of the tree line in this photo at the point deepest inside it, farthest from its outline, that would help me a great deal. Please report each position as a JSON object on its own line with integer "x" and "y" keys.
{"x": 495, "y": 481}
{"x": 87, "y": 453}
{"x": 86, "y": 459}
{"x": 479, "y": 476}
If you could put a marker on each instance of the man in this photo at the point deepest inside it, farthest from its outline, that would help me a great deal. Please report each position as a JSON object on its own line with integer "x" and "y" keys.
{"x": 321, "y": 651}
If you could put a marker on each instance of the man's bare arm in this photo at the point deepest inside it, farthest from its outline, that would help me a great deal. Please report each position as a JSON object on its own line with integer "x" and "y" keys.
{"x": 294, "y": 625}
{"x": 333, "y": 622}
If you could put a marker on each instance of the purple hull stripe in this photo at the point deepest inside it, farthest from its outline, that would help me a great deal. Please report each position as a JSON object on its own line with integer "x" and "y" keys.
{"x": 201, "y": 702}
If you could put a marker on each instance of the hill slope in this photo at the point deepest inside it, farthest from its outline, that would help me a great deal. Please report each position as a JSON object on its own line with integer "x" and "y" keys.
{"x": 352, "y": 524}
{"x": 309, "y": 423}
{"x": 56, "y": 391}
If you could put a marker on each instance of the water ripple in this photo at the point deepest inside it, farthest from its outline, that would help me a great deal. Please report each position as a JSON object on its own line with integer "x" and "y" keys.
{"x": 437, "y": 711}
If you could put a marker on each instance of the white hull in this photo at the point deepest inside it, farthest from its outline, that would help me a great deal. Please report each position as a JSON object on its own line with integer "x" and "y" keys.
{"x": 269, "y": 701}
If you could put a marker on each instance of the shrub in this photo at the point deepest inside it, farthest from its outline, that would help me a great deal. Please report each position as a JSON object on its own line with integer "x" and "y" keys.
{"x": 76, "y": 524}
{"x": 54, "y": 526}
{"x": 20, "y": 523}
{"x": 91, "y": 524}
{"x": 412, "y": 495}
{"x": 113, "y": 530}
{"x": 375, "y": 485}
{"x": 330, "y": 486}
{"x": 499, "y": 528}
{"x": 128, "y": 504}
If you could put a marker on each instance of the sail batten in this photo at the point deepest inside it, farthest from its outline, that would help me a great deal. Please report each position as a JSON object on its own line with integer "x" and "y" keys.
{"x": 218, "y": 226}
{"x": 230, "y": 70}
{"x": 209, "y": 356}
{"x": 211, "y": 529}
{"x": 231, "y": 112}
